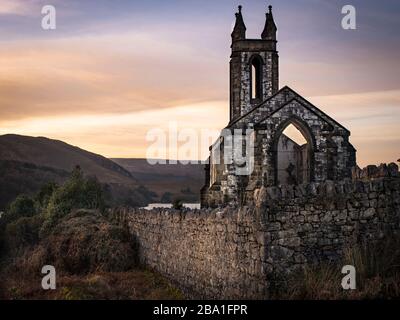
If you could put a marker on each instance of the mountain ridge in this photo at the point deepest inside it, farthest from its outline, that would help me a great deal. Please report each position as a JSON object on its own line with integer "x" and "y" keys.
{"x": 48, "y": 152}
{"x": 27, "y": 163}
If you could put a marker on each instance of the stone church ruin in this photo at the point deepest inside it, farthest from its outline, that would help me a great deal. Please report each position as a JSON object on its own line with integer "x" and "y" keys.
{"x": 303, "y": 204}
{"x": 257, "y": 103}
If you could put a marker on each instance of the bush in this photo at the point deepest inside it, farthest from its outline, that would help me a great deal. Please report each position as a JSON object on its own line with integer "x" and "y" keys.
{"x": 15, "y": 224}
{"x": 76, "y": 193}
{"x": 45, "y": 193}
{"x": 22, "y": 234}
{"x": 22, "y": 206}
{"x": 22, "y": 226}
{"x": 177, "y": 204}
{"x": 146, "y": 193}
{"x": 81, "y": 242}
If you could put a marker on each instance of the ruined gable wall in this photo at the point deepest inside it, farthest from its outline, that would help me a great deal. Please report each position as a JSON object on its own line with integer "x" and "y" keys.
{"x": 329, "y": 142}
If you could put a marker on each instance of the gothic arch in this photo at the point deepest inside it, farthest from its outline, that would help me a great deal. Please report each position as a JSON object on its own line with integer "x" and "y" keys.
{"x": 256, "y": 56}
{"x": 256, "y": 71}
{"x": 307, "y": 133}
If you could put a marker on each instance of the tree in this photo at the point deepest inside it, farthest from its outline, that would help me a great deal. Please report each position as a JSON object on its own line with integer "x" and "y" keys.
{"x": 45, "y": 193}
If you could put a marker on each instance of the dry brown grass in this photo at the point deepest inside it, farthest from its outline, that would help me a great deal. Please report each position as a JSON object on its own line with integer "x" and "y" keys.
{"x": 377, "y": 275}
{"x": 94, "y": 259}
{"x": 82, "y": 242}
{"x": 22, "y": 278}
{"x": 131, "y": 285}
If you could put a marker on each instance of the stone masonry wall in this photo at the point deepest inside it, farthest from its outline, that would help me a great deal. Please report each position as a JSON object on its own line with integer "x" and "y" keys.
{"x": 330, "y": 153}
{"x": 208, "y": 254}
{"x": 238, "y": 253}
{"x": 305, "y": 225}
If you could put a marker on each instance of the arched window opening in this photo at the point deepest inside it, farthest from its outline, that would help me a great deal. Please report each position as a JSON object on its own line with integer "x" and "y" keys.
{"x": 256, "y": 88}
{"x": 294, "y": 157}
{"x": 294, "y": 134}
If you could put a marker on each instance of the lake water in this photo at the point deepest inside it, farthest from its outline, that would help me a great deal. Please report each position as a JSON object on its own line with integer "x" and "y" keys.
{"x": 168, "y": 205}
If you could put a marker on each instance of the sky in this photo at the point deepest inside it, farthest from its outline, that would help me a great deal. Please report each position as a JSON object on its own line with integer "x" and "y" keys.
{"x": 113, "y": 72}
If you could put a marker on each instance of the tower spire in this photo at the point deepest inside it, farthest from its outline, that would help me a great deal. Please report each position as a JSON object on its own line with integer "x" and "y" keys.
{"x": 239, "y": 31}
{"x": 270, "y": 28}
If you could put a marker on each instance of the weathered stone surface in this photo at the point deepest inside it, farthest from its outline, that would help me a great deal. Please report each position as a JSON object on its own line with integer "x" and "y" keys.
{"x": 257, "y": 103}
{"x": 230, "y": 252}
{"x": 369, "y": 213}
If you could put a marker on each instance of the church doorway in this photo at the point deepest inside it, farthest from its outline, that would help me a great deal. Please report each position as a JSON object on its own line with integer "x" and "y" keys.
{"x": 294, "y": 154}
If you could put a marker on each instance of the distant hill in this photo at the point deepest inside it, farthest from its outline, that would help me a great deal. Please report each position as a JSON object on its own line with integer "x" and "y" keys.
{"x": 168, "y": 181}
{"x": 27, "y": 163}
{"x": 25, "y": 178}
{"x": 60, "y": 155}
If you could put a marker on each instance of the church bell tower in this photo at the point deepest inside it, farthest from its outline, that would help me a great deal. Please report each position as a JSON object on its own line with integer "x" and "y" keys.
{"x": 254, "y": 66}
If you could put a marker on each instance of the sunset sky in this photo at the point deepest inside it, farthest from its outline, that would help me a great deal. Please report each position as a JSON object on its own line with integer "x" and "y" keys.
{"x": 113, "y": 70}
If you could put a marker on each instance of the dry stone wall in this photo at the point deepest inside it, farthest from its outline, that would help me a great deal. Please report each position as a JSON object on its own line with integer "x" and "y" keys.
{"x": 235, "y": 252}
{"x": 209, "y": 254}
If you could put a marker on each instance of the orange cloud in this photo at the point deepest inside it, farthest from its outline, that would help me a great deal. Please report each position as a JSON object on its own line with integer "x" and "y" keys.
{"x": 17, "y": 7}
{"x": 124, "y": 135}
{"x": 103, "y": 93}
{"x": 372, "y": 118}
{"x": 101, "y": 74}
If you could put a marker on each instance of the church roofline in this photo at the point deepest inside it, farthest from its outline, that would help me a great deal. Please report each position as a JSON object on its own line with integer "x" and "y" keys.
{"x": 280, "y": 107}
{"x": 319, "y": 110}
{"x": 256, "y": 107}
{"x": 295, "y": 99}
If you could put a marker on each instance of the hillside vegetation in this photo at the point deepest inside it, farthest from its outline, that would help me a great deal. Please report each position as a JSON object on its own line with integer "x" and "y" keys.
{"x": 67, "y": 226}
{"x": 28, "y": 163}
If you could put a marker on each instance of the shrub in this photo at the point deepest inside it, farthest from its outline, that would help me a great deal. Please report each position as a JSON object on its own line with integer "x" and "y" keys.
{"x": 177, "y": 204}
{"x": 18, "y": 228}
{"x": 76, "y": 193}
{"x": 15, "y": 224}
{"x": 81, "y": 242}
{"x": 146, "y": 193}
{"x": 45, "y": 193}
{"x": 22, "y": 233}
{"x": 22, "y": 206}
